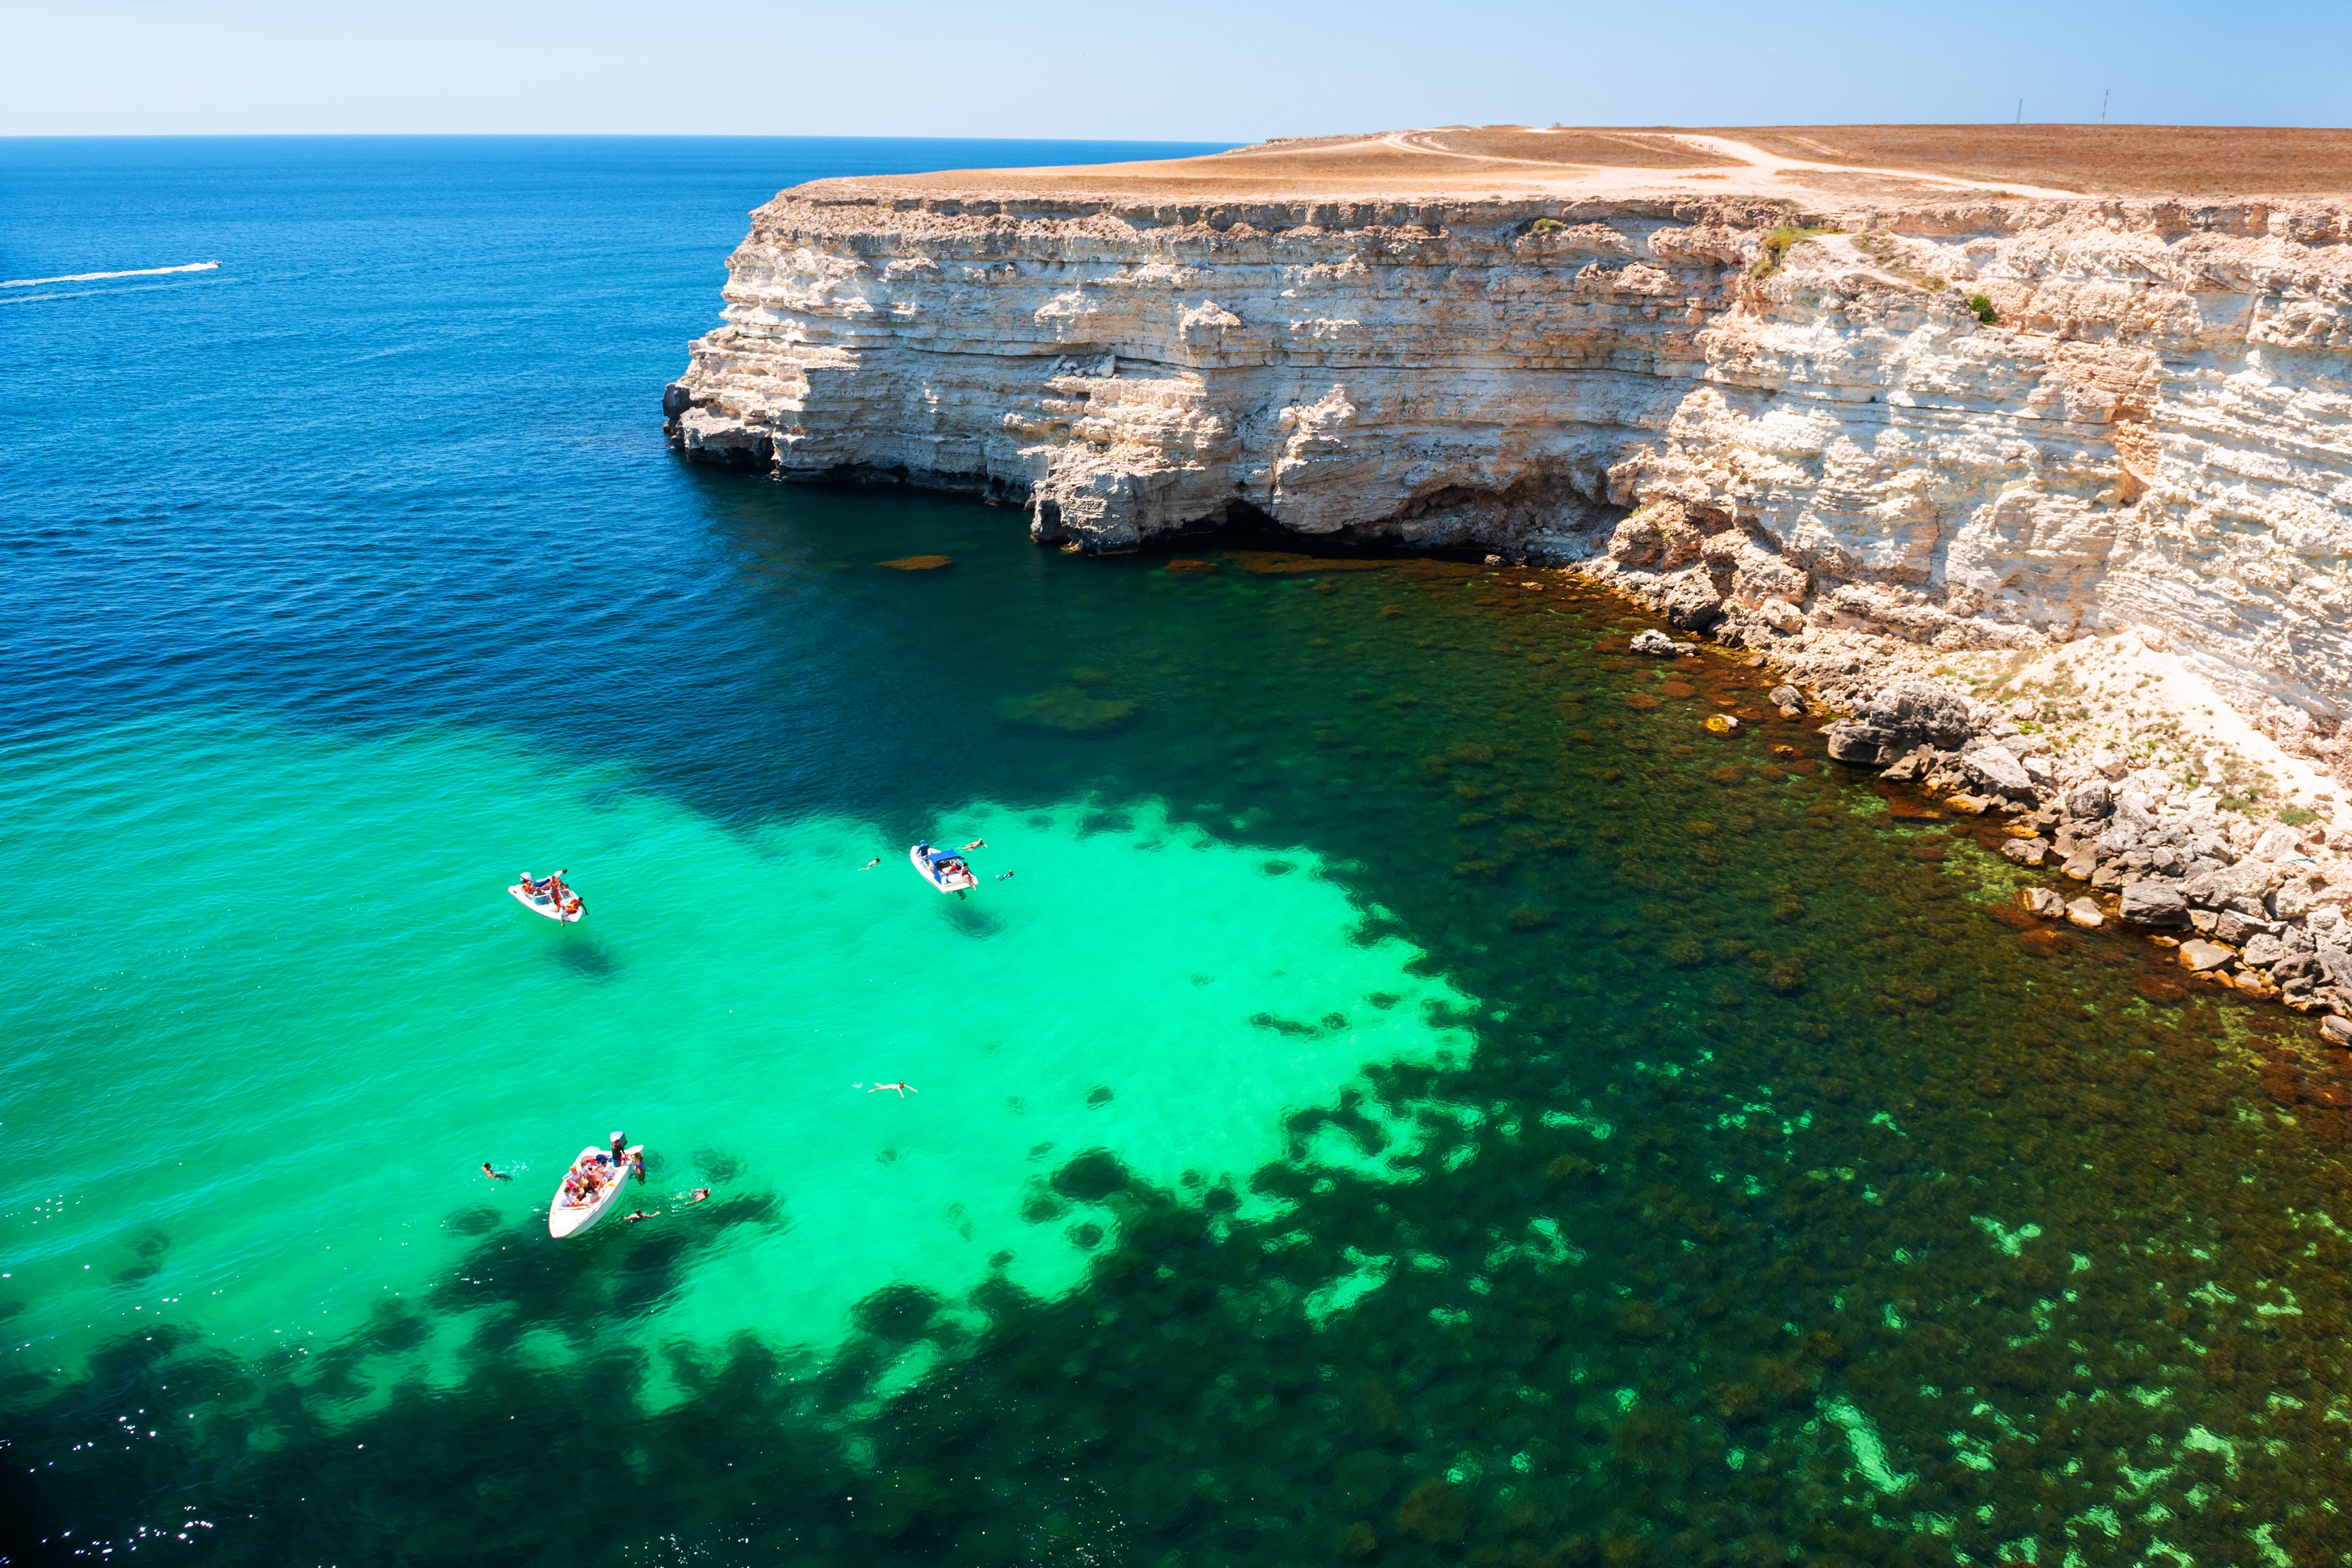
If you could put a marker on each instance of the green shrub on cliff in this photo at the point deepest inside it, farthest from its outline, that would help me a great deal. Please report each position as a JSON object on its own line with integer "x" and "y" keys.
{"x": 1778, "y": 244}
{"x": 1983, "y": 308}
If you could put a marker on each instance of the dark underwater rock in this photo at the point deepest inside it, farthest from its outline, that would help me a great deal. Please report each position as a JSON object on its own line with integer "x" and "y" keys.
{"x": 1067, "y": 708}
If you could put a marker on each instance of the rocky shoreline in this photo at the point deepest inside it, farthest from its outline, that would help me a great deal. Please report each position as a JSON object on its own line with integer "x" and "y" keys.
{"x": 2258, "y": 908}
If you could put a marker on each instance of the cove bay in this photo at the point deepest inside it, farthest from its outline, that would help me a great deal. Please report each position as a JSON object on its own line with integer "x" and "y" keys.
{"x": 1421, "y": 1096}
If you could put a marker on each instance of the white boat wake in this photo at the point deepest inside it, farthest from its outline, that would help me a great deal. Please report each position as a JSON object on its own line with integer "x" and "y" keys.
{"x": 94, "y": 277}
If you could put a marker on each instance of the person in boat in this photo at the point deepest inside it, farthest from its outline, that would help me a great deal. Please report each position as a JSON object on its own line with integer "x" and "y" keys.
{"x": 619, "y": 1148}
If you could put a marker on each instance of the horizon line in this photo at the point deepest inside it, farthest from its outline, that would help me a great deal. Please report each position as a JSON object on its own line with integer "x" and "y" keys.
{"x": 1143, "y": 141}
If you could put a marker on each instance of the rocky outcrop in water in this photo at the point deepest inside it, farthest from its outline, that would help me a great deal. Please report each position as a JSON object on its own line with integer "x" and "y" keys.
{"x": 2265, "y": 908}
{"x": 1968, "y": 422}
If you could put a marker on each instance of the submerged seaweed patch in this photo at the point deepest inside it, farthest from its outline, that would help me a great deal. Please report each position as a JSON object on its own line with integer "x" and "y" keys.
{"x": 1069, "y": 708}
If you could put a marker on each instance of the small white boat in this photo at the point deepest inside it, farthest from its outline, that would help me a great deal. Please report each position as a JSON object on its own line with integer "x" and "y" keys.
{"x": 550, "y": 898}
{"x": 604, "y": 1181}
{"x": 943, "y": 869}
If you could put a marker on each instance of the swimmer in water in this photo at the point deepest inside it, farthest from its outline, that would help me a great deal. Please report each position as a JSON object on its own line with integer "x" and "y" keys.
{"x": 495, "y": 1176}
{"x": 903, "y": 1088}
{"x": 869, "y": 866}
{"x": 698, "y": 1195}
{"x": 641, "y": 1214}
{"x": 977, "y": 844}
{"x": 1005, "y": 876}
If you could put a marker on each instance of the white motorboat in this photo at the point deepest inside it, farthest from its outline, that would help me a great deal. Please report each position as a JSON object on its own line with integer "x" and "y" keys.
{"x": 550, "y": 898}
{"x": 601, "y": 1182}
{"x": 943, "y": 869}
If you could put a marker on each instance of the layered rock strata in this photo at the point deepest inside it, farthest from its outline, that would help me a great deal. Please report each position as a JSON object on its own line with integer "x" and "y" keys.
{"x": 2142, "y": 421}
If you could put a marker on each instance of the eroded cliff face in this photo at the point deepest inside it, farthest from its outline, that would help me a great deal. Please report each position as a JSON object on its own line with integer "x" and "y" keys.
{"x": 2157, "y": 430}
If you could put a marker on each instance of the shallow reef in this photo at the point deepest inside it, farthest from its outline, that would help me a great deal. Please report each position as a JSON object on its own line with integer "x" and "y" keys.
{"x": 1801, "y": 1200}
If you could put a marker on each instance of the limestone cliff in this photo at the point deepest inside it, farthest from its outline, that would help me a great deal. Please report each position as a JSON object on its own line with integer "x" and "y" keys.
{"x": 2146, "y": 422}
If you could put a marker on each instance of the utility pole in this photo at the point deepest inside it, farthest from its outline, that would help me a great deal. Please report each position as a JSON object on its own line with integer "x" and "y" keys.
{"x": 2104, "y": 95}
{"x": 2020, "y": 111}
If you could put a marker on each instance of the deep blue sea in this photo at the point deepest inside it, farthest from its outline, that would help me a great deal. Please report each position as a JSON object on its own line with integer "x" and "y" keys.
{"x": 1403, "y": 1091}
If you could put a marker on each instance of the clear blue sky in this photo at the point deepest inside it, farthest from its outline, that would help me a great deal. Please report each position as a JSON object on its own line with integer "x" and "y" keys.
{"x": 1191, "y": 69}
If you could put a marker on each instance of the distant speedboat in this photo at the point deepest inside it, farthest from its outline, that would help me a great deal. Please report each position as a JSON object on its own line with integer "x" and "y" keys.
{"x": 550, "y": 898}
{"x": 601, "y": 1179}
{"x": 943, "y": 869}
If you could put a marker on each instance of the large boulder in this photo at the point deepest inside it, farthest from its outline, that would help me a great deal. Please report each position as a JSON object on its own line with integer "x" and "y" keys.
{"x": 1907, "y": 715}
{"x": 1850, "y": 740}
{"x": 2297, "y": 892}
{"x": 2089, "y": 800}
{"x": 2154, "y": 903}
{"x": 2242, "y": 888}
{"x": 1908, "y": 768}
{"x": 2296, "y": 969}
{"x": 2263, "y": 950}
{"x": 2277, "y": 843}
{"x": 1998, "y": 769}
{"x": 2200, "y": 956}
{"x": 1690, "y": 600}
{"x": 1654, "y": 641}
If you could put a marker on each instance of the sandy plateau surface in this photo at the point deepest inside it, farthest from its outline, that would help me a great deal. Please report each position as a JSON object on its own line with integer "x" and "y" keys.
{"x": 1799, "y": 161}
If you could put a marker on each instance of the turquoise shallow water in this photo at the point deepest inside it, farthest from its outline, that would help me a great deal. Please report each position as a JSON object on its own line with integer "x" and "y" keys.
{"x": 1421, "y": 1100}
{"x": 287, "y": 1043}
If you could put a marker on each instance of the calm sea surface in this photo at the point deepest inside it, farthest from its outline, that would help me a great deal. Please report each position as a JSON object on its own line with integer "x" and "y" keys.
{"x": 1403, "y": 1091}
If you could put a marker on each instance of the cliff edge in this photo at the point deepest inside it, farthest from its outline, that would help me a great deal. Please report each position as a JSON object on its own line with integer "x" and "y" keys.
{"x": 1968, "y": 388}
